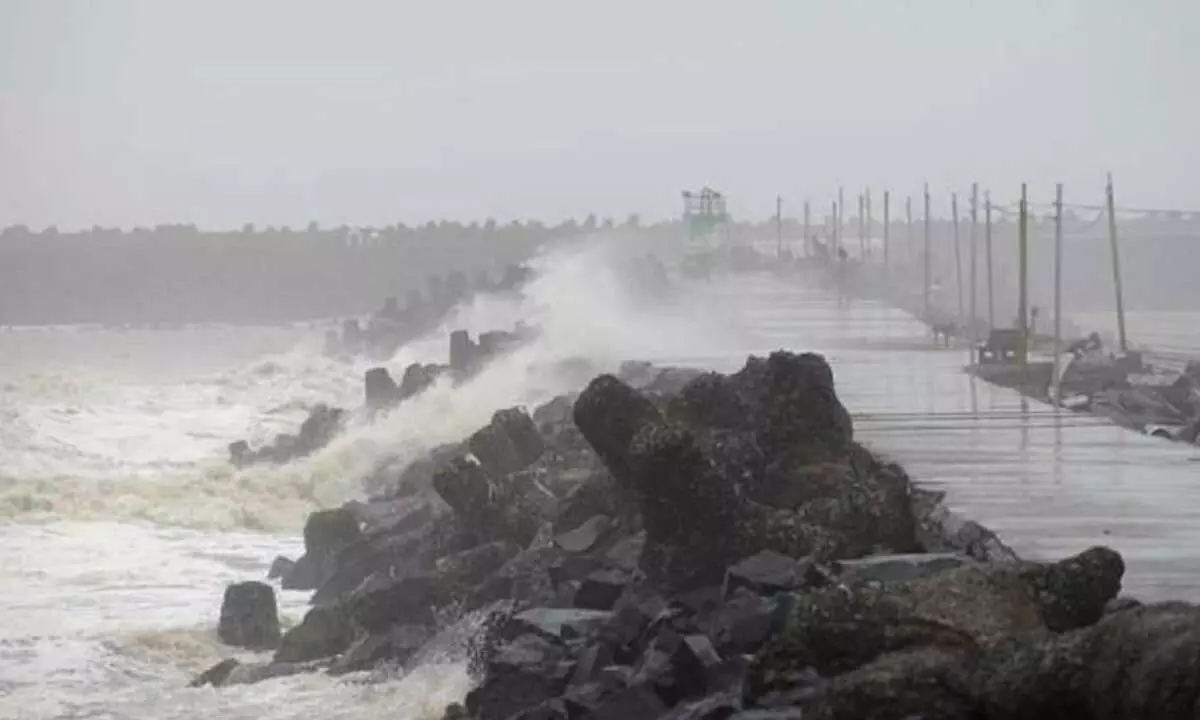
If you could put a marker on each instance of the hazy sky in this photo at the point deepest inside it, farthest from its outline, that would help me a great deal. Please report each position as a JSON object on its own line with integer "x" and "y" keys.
{"x": 120, "y": 112}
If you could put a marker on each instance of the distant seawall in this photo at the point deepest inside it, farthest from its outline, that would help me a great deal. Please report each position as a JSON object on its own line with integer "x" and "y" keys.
{"x": 178, "y": 274}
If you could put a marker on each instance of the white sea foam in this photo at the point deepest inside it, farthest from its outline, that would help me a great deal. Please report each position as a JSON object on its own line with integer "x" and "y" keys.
{"x": 81, "y": 449}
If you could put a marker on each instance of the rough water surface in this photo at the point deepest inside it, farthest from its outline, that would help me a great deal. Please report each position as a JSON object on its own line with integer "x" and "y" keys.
{"x": 121, "y": 523}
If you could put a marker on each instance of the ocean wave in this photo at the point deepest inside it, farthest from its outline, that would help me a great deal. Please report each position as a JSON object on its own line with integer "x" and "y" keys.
{"x": 157, "y": 451}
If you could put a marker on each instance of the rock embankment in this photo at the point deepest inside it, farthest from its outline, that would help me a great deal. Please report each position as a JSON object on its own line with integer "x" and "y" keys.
{"x": 696, "y": 545}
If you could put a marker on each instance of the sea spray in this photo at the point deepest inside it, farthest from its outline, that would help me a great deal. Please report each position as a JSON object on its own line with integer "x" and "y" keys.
{"x": 159, "y": 453}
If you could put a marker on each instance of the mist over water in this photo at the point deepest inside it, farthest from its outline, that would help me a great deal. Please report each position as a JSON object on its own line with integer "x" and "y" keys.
{"x": 122, "y": 520}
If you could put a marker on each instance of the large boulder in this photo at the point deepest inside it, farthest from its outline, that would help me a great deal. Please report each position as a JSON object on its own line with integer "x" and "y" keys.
{"x": 379, "y": 390}
{"x": 761, "y": 459}
{"x": 521, "y": 674}
{"x": 507, "y": 507}
{"x": 1138, "y": 663}
{"x": 320, "y": 427}
{"x": 249, "y": 616}
{"x": 417, "y": 378}
{"x": 1074, "y": 592}
{"x": 510, "y": 442}
{"x": 691, "y": 514}
{"x": 384, "y": 601}
{"x": 323, "y": 633}
{"x": 326, "y": 533}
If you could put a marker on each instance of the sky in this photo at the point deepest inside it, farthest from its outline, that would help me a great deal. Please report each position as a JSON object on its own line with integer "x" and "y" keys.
{"x": 222, "y": 112}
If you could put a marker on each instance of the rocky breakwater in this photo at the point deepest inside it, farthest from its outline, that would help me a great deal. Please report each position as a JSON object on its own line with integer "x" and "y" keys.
{"x": 382, "y": 393}
{"x": 717, "y": 545}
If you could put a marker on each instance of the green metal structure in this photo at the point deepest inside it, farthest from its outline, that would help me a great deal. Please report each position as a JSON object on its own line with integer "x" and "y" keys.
{"x": 703, "y": 213}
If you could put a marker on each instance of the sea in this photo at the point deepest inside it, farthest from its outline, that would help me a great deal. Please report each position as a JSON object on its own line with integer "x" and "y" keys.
{"x": 121, "y": 521}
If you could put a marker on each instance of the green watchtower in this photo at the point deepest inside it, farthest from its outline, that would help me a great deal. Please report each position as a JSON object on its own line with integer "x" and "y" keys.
{"x": 703, "y": 213}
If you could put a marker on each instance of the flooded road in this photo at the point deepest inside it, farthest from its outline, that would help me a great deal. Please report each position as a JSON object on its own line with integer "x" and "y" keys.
{"x": 1051, "y": 483}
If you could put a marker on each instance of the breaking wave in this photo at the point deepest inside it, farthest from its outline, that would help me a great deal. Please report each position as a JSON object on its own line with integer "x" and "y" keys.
{"x": 80, "y": 447}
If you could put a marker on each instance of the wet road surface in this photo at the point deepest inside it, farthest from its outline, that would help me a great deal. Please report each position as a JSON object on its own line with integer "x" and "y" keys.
{"x": 1050, "y": 482}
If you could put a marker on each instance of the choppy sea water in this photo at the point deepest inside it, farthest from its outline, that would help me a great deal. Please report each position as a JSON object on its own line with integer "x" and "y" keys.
{"x": 120, "y": 522}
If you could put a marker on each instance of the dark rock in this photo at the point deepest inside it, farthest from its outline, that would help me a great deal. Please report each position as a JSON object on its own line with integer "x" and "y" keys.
{"x": 240, "y": 453}
{"x": 462, "y": 352}
{"x": 321, "y": 425}
{"x": 798, "y": 411}
{"x": 700, "y": 603}
{"x": 510, "y": 442}
{"x": 217, "y": 674}
{"x": 379, "y": 390}
{"x": 719, "y": 706}
{"x": 326, "y": 533}
{"x": 591, "y": 662}
{"x": 939, "y": 530}
{"x": 584, "y": 537}
{"x": 522, "y": 674}
{"x": 306, "y": 573}
{"x": 417, "y": 378}
{"x": 592, "y": 497}
{"x": 601, "y": 589}
{"x": 1075, "y": 591}
{"x": 249, "y": 616}
{"x": 639, "y": 702}
{"x": 558, "y": 624}
{"x": 609, "y": 413}
{"x": 323, "y": 633}
{"x": 898, "y": 568}
{"x": 319, "y": 428}
{"x": 742, "y": 624}
{"x": 697, "y": 666}
{"x": 395, "y": 646}
{"x": 384, "y": 601}
{"x": 690, "y": 479}
{"x": 573, "y": 569}
{"x": 489, "y": 635}
{"x": 553, "y": 415}
{"x": 492, "y": 507}
{"x": 993, "y": 606}
{"x": 766, "y": 573}
{"x": 471, "y": 567}
{"x": 925, "y": 683}
{"x": 417, "y": 535}
{"x": 868, "y": 512}
{"x": 249, "y": 673}
{"x": 691, "y": 514}
{"x": 836, "y": 630}
{"x": 280, "y": 567}
{"x": 1120, "y": 604}
{"x": 550, "y": 710}
{"x": 631, "y": 618}
{"x": 1140, "y": 663}
{"x": 626, "y": 552}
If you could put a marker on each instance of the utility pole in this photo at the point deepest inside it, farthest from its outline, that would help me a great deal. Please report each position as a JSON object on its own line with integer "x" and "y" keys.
{"x": 778, "y": 226}
{"x": 807, "y": 239}
{"x": 837, "y": 236}
{"x": 867, "y": 219}
{"x": 841, "y": 206}
{"x": 987, "y": 238}
{"x": 887, "y": 221}
{"x": 973, "y": 305}
{"x": 958, "y": 270}
{"x": 908, "y": 231}
{"x": 1023, "y": 275}
{"x": 1058, "y": 261}
{"x": 928, "y": 230}
{"x": 862, "y": 238}
{"x": 1116, "y": 264}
